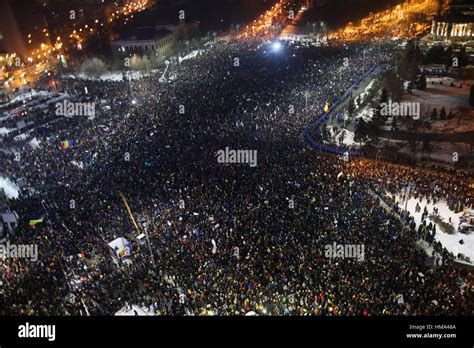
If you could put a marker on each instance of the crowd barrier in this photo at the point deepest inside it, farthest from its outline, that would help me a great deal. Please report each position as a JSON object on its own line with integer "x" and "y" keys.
{"x": 340, "y": 150}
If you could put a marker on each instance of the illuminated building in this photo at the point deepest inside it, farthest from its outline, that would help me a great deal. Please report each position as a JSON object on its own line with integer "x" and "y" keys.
{"x": 145, "y": 40}
{"x": 159, "y": 40}
{"x": 453, "y": 27}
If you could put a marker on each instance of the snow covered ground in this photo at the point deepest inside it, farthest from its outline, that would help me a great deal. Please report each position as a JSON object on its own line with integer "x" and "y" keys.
{"x": 342, "y": 137}
{"x": 439, "y": 96}
{"x": 133, "y": 75}
{"x": 112, "y": 75}
{"x": 191, "y": 55}
{"x": 465, "y": 123}
{"x": 361, "y": 98}
{"x": 453, "y": 99}
{"x": 366, "y": 114}
{"x": 449, "y": 241}
{"x": 345, "y": 137}
{"x": 10, "y": 188}
{"x": 130, "y": 312}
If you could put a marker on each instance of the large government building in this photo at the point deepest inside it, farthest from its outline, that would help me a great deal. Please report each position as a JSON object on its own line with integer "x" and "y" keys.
{"x": 456, "y": 25}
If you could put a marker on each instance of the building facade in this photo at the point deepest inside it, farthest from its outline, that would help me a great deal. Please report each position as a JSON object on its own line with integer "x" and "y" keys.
{"x": 456, "y": 23}
{"x": 145, "y": 40}
{"x": 158, "y": 41}
{"x": 452, "y": 30}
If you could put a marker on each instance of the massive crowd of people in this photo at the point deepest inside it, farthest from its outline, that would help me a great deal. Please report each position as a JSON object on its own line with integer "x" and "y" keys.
{"x": 227, "y": 239}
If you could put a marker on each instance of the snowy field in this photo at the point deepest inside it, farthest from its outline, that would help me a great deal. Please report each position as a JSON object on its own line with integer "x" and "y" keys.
{"x": 449, "y": 241}
{"x": 440, "y": 151}
{"x": 457, "y": 125}
{"x": 132, "y": 75}
{"x": 437, "y": 95}
{"x": 342, "y": 136}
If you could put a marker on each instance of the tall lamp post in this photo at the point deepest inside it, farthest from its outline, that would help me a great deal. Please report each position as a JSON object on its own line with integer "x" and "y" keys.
{"x": 136, "y": 226}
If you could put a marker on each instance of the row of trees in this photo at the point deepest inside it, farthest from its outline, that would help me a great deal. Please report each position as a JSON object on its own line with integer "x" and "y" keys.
{"x": 442, "y": 114}
{"x": 406, "y": 71}
{"x": 96, "y": 67}
{"x": 365, "y": 131}
{"x": 439, "y": 55}
{"x": 412, "y": 56}
{"x": 368, "y": 131}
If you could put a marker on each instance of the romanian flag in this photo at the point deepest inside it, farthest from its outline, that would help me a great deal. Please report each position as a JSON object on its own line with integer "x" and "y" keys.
{"x": 36, "y": 220}
{"x": 326, "y": 107}
{"x": 66, "y": 144}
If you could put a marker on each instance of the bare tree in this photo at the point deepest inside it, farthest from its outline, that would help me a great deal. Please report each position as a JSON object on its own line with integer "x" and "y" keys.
{"x": 94, "y": 67}
{"x": 140, "y": 63}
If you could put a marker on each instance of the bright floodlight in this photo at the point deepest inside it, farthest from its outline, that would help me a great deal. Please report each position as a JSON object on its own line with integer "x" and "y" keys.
{"x": 276, "y": 46}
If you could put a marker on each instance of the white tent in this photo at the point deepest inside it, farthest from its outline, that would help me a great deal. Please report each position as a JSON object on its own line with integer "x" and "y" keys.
{"x": 120, "y": 249}
{"x": 34, "y": 143}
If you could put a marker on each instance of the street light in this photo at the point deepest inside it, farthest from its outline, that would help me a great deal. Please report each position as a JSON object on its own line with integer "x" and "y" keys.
{"x": 276, "y": 46}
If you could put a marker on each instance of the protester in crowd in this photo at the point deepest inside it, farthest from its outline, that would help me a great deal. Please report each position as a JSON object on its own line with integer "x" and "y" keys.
{"x": 227, "y": 239}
